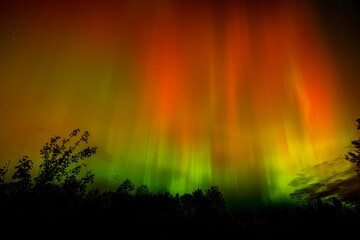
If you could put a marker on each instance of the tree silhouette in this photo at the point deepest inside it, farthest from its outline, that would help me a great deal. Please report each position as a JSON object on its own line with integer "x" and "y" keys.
{"x": 142, "y": 190}
{"x": 216, "y": 197}
{"x": 217, "y": 207}
{"x": 3, "y": 170}
{"x": 127, "y": 187}
{"x": 22, "y": 172}
{"x": 62, "y": 163}
{"x": 199, "y": 201}
{"x": 186, "y": 202}
{"x": 354, "y": 156}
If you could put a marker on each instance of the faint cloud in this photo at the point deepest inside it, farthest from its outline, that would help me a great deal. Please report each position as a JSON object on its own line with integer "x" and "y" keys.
{"x": 334, "y": 178}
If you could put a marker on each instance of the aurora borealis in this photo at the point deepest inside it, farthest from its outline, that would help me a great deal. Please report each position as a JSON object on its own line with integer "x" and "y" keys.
{"x": 181, "y": 95}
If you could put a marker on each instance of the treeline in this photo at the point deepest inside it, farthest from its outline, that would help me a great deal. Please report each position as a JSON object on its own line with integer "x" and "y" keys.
{"x": 59, "y": 195}
{"x": 58, "y": 198}
{"x": 136, "y": 210}
{"x": 127, "y": 207}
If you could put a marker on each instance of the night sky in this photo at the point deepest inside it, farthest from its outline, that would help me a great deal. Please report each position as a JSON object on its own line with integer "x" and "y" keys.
{"x": 257, "y": 97}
